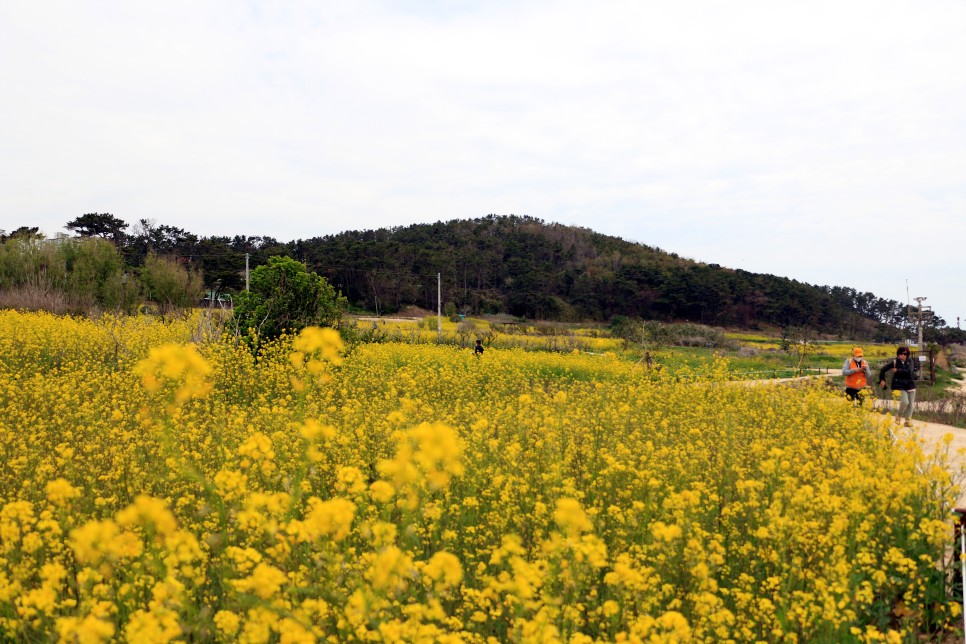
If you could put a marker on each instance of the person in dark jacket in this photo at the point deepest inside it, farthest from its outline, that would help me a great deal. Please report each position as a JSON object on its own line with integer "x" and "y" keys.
{"x": 903, "y": 380}
{"x": 478, "y": 349}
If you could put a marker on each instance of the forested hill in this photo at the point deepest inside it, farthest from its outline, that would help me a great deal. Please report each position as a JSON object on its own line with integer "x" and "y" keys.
{"x": 529, "y": 268}
{"x": 516, "y": 265}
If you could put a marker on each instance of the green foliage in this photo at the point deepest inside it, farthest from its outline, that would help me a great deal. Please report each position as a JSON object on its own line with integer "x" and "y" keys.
{"x": 654, "y": 334}
{"x": 95, "y": 224}
{"x": 25, "y": 232}
{"x": 84, "y": 274}
{"x": 527, "y": 268}
{"x": 23, "y": 260}
{"x": 148, "y": 237}
{"x": 169, "y": 284}
{"x": 285, "y": 296}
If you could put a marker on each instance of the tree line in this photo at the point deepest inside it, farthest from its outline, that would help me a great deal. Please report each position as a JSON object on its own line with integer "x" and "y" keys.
{"x": 77, "y": 275}
{"x": 515, "y": 265}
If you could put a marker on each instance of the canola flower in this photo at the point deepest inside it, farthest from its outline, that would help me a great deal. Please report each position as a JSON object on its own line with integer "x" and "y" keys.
{"x": 154, "y": 490}
{"x": 181, "y": 364}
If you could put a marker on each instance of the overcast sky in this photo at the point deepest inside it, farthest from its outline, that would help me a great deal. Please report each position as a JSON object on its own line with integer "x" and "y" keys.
{"x": 823, "y": 141}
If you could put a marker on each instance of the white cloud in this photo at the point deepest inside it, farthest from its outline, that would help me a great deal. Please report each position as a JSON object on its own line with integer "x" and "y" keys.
{"x": 764, "y": 135}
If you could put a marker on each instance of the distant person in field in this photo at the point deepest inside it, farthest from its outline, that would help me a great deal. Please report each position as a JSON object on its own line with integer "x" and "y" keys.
{"x": 857, "y": 374}
{"x": 903, "y": 380}
{"x": 478, "y": 349}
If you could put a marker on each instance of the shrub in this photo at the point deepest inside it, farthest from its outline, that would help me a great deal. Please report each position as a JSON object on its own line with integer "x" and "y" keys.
{"x": 70, "y": 275}
{"x": 285, "y": 296}
{"x": 169, "y": 284}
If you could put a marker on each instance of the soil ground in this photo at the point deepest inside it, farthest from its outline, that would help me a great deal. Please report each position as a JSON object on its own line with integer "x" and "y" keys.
{"x": 934, "y": 432}
{"x": 930, "y": 433}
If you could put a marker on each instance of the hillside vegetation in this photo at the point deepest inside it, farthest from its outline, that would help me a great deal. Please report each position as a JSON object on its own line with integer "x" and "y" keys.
{"x": 528, "y": 268}
{"x": 512, "y": 265}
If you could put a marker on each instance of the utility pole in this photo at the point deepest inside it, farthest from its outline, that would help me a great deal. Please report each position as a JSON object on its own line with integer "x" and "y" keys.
{"x": 919, "y": 323}
{"x": 921, "y": 345}
{"x": 439, "y": 305}
{"x": 246, "y": 272}
{"x": 920, "y": 316}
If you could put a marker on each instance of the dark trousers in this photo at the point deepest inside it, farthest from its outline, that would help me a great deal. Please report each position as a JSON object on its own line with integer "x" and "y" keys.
{"x": 853, "y": 394}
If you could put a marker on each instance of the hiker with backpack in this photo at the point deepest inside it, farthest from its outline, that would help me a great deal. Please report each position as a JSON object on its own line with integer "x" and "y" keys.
{"x": 903, "y": 380}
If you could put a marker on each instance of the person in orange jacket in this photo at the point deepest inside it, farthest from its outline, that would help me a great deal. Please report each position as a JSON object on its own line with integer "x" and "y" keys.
{"x": 857, "y": 374}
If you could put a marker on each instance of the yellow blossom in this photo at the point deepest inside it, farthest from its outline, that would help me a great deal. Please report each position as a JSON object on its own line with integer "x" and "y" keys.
{"x": 87, "y": 630}
{"x": 152, "y": 626}
{"x": 325, "y": 342}
{"x": 570, "y": 516}
{"x": 181, "y": 364}
{"x": 445, "y": 570}
{"x": 60, "y": 491}
{"x": 227, "y": 623}
{"x": 264, "y": 581}
{"x": 332, "y": 518}
{"x": 381, "y": 491}
{"x": 149, "y": 511}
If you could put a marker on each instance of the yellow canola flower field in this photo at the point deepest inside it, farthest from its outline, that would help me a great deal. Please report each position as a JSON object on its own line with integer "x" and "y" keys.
{"x": 152, "y": 490}
{"x": 493, "y": 336}
{"x": 843, "y": 350}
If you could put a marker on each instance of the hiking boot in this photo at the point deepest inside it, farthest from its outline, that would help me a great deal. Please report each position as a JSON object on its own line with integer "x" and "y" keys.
{"x": 908, "y": 423}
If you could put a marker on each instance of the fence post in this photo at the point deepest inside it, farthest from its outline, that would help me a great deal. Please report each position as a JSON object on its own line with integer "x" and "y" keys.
{"x": 959, "y": 534}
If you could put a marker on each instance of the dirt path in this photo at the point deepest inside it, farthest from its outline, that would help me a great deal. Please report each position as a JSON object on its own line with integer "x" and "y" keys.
{"x": 930, "y": 433}
{"x": 375, "y": 319}
{"x": 933, "y": 433}
{"x": 962, "y": 385}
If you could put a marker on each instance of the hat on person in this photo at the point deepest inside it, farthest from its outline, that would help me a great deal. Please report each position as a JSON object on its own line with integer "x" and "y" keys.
{"x": 857, "y": 352}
